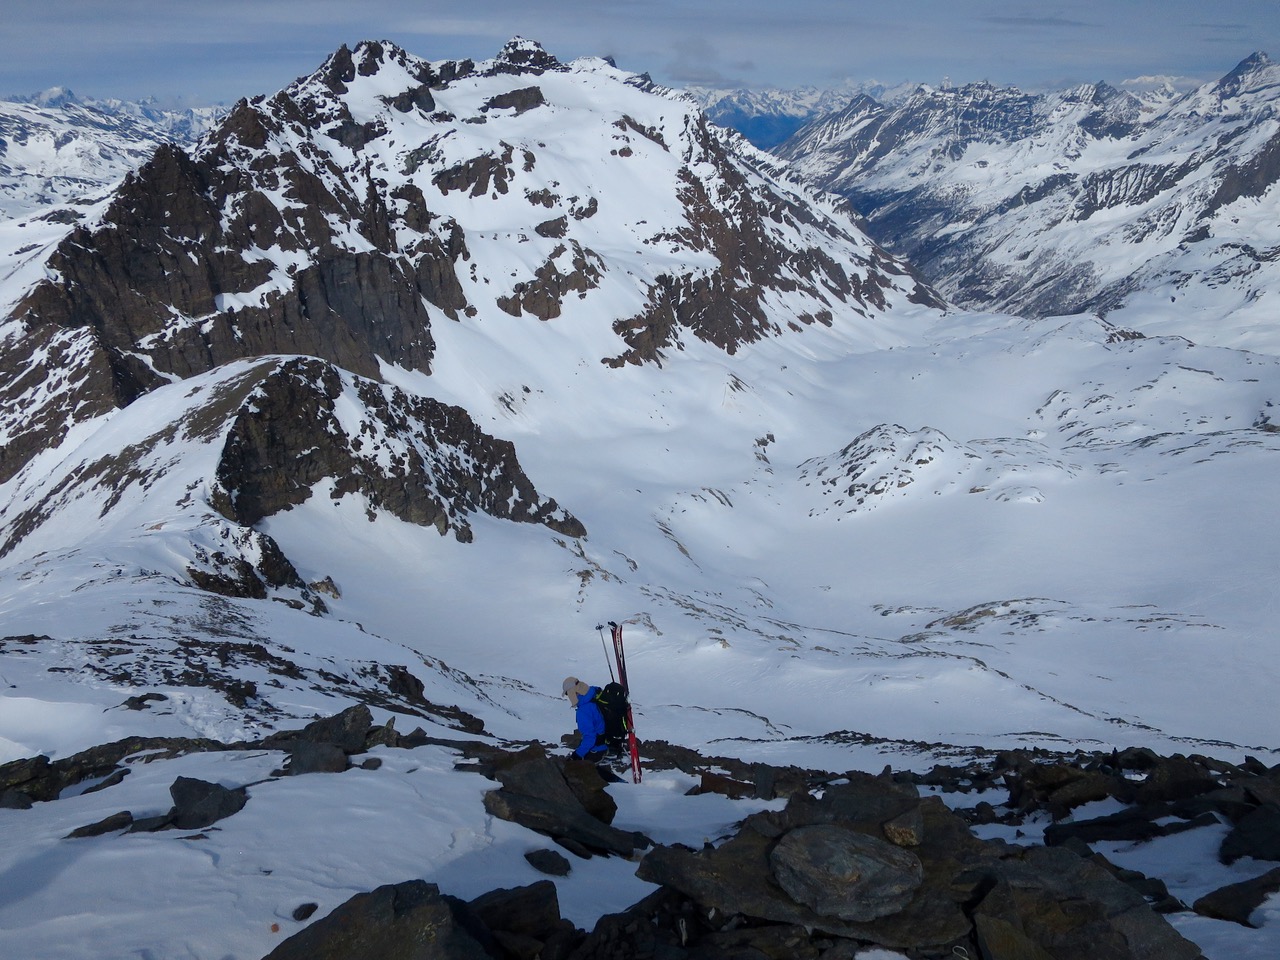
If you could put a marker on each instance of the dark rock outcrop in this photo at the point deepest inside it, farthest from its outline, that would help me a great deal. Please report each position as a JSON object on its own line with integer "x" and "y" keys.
{"x": 536, "y": 793}
{"x": 1010, "y": 902}
{"x": 403, "y": 921}
{"x": 422, "y": 461}
{"x": 845, "y": 874}
{"x": 1237, "y": 901}
{"x": 198, "y": 803}
{"x": 1256, "y": 835}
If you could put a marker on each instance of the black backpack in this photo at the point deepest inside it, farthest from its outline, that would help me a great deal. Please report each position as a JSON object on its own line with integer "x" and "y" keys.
{"x": 614, "y": 705}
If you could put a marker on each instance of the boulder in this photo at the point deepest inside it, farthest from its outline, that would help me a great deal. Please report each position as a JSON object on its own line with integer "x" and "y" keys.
{"x": 1256, "y": 835}
{"x": 842, "y": 873}
{"x": 198, "y": 803}
{"x": 548, "y": 862}
{"x": 1265, "y": 788}
{"x": 588, "y": 786}
{"x": 403, "y": 921}
{"x": 1237, "y": 901}
{"x": 346, "y": 730}
{"x": 533, "y": 910}
{"x": 536, "y": 794}
{"x": 738, "y": 876}
{"x": 308, "y": 757}
{"x": 11, "y": 799}
{"x": 712, "y": 782}
{"x": 1048, "y": 902}
{"x": 906, "y": 829}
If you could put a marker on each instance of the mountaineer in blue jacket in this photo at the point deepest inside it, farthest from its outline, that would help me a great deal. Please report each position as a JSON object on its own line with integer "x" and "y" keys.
{"x": 593, "y": 748}
{"x": 590, "y": 720}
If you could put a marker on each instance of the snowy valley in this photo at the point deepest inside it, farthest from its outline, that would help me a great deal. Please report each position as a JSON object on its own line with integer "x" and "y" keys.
{"x": 392, "y": 387}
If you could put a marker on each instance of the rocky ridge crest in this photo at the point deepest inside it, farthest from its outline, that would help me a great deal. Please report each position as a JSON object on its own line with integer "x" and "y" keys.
{"x": 851, "y": 860}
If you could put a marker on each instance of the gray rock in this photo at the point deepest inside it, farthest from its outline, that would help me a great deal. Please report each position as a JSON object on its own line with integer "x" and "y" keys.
{"x": 1236, "y": 902}
{"x": 403, "y": 921}
{"x": 1048, "y": 902}
{"x": 906, "y": 829}
{"x": 1256, "y": 835}
{"x": 549, "y": 862}
{"x": 308, "y": 757}
{"x": 117, "y": 821}
{"x": 530, "y": 911}
{"x": 346, "y": 730}
{"x": 11, "y": 799}
{"x": 737, "y": 878}
{"x": 536, "y": 794}
{"x": 842, "y": 873}
{"x": 198, "y": 803}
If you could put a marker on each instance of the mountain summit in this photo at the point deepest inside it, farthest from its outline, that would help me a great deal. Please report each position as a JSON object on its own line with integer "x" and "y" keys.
{"x": 349, "y": 214}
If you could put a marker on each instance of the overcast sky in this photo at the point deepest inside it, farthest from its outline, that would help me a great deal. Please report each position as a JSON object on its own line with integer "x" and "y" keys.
{"x": 219, "y": 50}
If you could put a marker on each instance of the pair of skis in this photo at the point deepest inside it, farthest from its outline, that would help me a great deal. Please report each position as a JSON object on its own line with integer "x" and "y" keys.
{"x": 620, "y": 658}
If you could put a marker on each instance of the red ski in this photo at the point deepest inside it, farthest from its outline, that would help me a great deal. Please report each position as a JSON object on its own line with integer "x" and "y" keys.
{"x": 620, "y": 658}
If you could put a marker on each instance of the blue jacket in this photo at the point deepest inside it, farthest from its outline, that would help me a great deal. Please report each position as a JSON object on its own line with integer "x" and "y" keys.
{"x": 590, "y": 723}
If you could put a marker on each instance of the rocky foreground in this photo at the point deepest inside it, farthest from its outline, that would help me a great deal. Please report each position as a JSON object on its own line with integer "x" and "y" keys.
{"x": 852, "y": 860}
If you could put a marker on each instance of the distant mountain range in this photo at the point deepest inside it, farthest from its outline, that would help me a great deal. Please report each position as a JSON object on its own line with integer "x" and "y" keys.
{"x": 56, "y": 148}
{"x": 1089, "y": 199}
{"x": 769, "y": 117}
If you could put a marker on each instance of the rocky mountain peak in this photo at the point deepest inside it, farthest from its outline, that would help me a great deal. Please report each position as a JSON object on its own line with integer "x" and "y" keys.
{"x": 1253, "y": 72}
{"x": 54, "y": 97}
{"x": 519, "y": 55}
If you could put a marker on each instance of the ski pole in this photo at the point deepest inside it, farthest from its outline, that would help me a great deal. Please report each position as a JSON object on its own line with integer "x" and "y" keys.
{"x": 600, "y": 627}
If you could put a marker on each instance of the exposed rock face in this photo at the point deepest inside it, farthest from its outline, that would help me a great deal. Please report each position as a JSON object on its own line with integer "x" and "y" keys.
{"x": 738, "y": 230}
{"x": 418, "y": 459}
{"x": 276, "y": 429}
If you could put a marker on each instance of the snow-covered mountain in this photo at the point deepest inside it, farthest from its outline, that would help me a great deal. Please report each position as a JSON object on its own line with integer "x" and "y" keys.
{"x": 1089, "y": 199}
{"x": 56, "y": 149}
{"x": 400, "y": 381}
{"x": 768, "y": 117}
